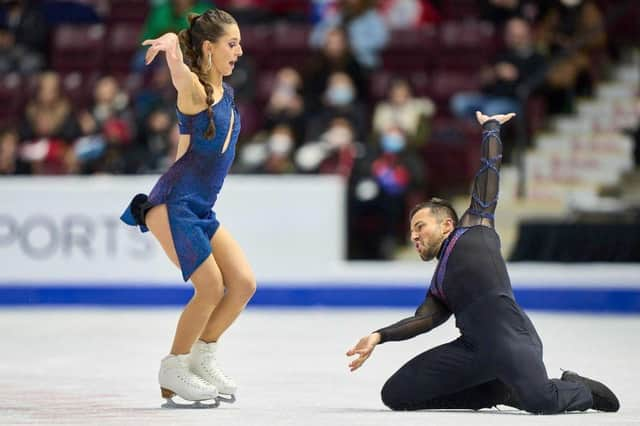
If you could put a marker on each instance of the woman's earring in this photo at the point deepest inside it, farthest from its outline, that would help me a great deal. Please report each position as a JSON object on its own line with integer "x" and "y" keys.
{"x": 210, "y": 65}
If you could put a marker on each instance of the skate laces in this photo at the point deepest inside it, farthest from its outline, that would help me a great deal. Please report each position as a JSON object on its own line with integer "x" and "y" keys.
{"x": 194, "y": 380}
{"x": 202, "y": 382}
{"x": 210, "y": 363}
{"x": 187, "y": 377}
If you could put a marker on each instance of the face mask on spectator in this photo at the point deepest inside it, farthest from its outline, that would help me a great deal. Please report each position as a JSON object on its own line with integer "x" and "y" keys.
{"x": 280, "y": 144}
{"x": 340, "y": 95}
{"x": 284, "y": 89}
{"x": 392, "y": 142}
{"x": 339, "y": 136}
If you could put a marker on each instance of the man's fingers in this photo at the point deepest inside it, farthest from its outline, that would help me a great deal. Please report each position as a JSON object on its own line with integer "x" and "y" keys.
{"x": 506, "y": 117}
{"x": 147, "y": 42}
{"x": 355, "y": 364}
{"x": 358, "y": 362}
{"x": 362, "y": 358}
{"x": 501, "y": 118}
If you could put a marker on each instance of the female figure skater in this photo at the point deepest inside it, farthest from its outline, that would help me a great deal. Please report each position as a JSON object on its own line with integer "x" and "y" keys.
{"x": 178, "y": 211}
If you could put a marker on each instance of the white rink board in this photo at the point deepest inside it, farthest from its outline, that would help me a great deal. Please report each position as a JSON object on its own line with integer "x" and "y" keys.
{"x": 66, "y": 230}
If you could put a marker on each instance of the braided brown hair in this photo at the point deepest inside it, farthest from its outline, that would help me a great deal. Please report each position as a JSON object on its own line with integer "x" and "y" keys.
{"x": 208, "y": 26}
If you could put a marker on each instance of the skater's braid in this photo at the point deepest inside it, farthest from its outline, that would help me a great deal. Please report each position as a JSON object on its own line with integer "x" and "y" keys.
{"x": 442, "y": 209}
{"x": 208, "y": 26}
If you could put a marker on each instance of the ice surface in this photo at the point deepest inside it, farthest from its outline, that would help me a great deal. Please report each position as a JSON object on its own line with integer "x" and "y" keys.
{"x": 95, "y": 366}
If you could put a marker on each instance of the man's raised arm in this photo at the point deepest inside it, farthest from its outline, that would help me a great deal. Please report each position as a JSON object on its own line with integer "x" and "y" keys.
{"x": 484, "y": 193}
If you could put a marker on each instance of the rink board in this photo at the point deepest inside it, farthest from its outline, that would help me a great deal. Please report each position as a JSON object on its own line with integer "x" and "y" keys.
{"x": 61, "y": 243}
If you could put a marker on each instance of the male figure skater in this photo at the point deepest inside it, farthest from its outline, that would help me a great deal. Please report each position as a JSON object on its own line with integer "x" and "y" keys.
{"x": 498, "y": 357}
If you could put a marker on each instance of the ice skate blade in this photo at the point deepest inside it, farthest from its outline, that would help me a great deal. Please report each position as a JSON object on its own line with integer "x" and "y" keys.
{"x": 227, "y": 399}
{"x": 170, "y": 403}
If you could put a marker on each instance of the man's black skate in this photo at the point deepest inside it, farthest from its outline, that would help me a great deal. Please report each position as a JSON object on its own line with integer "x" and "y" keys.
{"x": 603, "y": 398}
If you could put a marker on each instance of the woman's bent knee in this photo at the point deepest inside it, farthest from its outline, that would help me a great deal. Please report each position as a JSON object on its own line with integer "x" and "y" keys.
{"x": 249, "y": 287}
{"x": 209, "y": 296}
{"x": 244, "y": 288}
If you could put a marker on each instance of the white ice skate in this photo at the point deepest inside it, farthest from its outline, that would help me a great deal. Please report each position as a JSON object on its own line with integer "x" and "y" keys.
{"x": 175, "y": 378}
{"x": 203, "y": 363}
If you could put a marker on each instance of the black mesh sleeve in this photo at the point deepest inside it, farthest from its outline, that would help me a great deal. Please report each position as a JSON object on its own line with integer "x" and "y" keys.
{"x": 428, "y": 316}
{"x": 484, "y": 194}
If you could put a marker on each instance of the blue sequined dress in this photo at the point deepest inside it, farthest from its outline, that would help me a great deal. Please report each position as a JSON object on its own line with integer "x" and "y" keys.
{"x": 190, "y": 187}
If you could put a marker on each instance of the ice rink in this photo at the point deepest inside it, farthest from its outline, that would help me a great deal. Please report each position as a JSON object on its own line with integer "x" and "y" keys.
{"x": 99, "y": 366}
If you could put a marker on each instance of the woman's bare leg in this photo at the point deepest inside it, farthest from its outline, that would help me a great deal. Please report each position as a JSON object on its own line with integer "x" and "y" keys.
{"x": 239, "y": 282}
{"x": 207, "y": 281}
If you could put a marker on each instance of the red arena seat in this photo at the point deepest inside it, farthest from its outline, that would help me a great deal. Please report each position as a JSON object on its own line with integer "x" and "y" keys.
{"x": 78, "y": 47}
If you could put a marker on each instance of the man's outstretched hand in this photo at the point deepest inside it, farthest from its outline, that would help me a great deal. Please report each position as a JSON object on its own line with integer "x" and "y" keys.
{"x": 363, "y": 349}
{"x": 500, "y": 118}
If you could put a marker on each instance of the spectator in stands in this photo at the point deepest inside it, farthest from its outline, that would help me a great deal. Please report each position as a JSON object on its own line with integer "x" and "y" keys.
{"x": 155, "y": 152}
{"x": 110, "y": 102}
{"x": 286, "y": 105}
{"x": 48, "y": 156}
{"x": 406, "y": 14}
{"x": 167, "y": 16}
{"x": 511, "y": 68}
{"x": 398, "y": 172}
{"x": 115, "y": 157}
{"x": 158, "y": 93}
{"x": 368, "y": 33}
{"x": 334, "y": 153}
{"x": 575, "y": 28}
{"x": 395, "y": 168}
{"x": 334, "y": 56}
{"x": 169, "y": 157}
{"x": 49, "y": 113}
{"x": 383, "y": 183}
{"x": 339, "y": 100}
{"x": 280, "y": 146}
{"x": 109, "y": 120}
{"x": 403, "y": 111}
{"x": 23, "y": 37}
{"x": 269, "y": 152}
{"x": 157, "y": 139}
{"x": 10, "y": 161}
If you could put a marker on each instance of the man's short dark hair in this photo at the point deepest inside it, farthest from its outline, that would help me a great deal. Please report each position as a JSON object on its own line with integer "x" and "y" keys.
{"x": 442, "y": 209}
